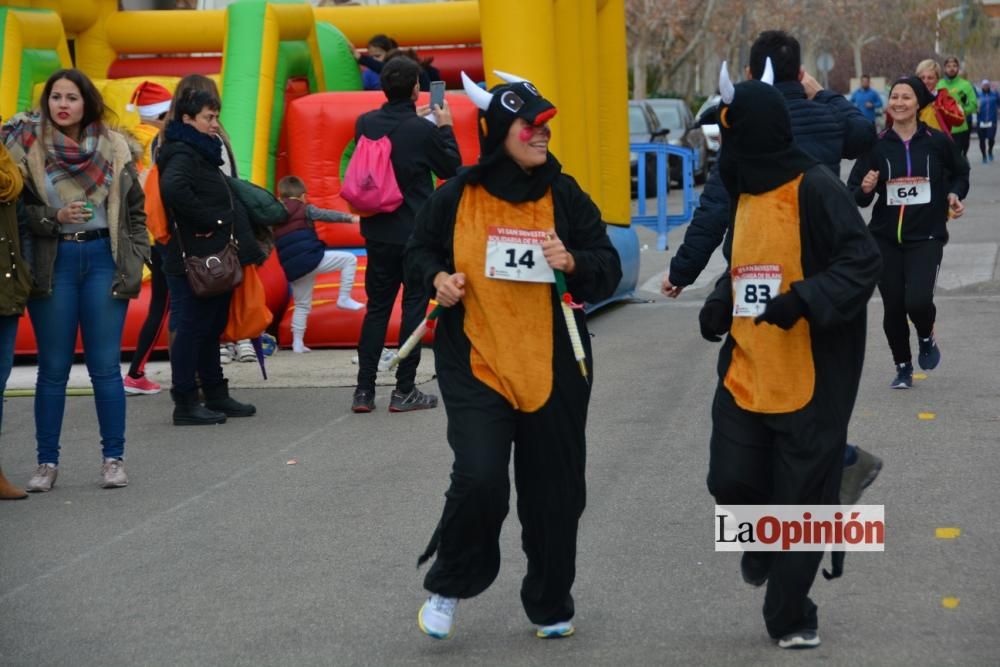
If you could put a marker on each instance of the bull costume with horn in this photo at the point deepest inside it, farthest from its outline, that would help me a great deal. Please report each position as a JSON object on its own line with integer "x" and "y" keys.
{"x": 505, "y": 359}
{"x": 802, "y": 267}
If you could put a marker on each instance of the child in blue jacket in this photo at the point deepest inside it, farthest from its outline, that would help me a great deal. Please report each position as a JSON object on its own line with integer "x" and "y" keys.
{"x": 304, "y": 256}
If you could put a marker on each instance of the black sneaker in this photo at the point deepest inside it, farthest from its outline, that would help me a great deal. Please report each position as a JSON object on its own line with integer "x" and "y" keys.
{"x": 930, "y": 353}
{"x": 364, "y": 400}
{"x": 800, "y": 639}
{"x": 415, "y": 400}
{"x": 858, "y": 476}
{"x": 904, "y": 376}
{"x": 755, "y": 567}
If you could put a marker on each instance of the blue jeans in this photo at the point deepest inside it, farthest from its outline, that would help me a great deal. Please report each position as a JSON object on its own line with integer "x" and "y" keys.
{"x": 8, "y": 334}
{"x": 81, "y": 299}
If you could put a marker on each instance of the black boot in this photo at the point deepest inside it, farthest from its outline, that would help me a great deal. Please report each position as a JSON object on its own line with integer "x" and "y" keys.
{"x": 189, "y": 412}
{"x": 217, "y": 398}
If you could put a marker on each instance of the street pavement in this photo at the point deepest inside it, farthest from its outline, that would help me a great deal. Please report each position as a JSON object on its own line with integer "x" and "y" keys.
{"x": 291, "y": 538}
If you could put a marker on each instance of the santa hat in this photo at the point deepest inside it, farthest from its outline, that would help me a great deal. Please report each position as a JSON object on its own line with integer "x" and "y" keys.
{"x": 151, "y": 99}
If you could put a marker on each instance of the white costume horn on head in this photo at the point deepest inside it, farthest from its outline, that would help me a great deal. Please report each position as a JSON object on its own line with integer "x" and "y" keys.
{"x": 509, "y": 78}
{"x": 479, "y": 97}
{"x": 768, "y": 76}
{"x": 726, "y": 88}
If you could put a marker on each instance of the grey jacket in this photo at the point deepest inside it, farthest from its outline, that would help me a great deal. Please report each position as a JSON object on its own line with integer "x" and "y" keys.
{"x": 126, "y": 223}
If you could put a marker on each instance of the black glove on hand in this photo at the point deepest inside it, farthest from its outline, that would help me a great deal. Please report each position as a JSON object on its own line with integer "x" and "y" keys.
{"x": 783, "y": 311}
{"x": 715, "y": 319}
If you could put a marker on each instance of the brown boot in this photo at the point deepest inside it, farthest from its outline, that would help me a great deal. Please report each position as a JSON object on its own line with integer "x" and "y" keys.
{"x": 8, "y": 491}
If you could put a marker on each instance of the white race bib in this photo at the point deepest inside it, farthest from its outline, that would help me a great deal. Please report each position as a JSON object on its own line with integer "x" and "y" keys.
{"x": 986, "y": 124}
{"x": 516, "y": 254}
{"x": 907, "y": 191}
{"x": 754, "y": 285}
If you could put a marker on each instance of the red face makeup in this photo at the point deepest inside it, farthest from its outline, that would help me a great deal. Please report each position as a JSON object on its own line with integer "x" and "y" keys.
{"x": 528, "y": 132}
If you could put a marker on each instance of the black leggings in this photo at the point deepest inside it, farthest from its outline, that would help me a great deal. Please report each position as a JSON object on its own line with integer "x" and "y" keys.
{"x": 909, "y": 273}
{"x": 962, "y": 139}
{"x": 159, "y": 302}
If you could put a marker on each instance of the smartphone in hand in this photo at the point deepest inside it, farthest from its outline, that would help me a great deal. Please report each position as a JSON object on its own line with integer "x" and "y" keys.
{"x": 437, "y": 94}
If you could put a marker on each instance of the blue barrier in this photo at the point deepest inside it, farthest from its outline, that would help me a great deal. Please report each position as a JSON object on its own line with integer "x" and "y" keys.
{"x": 662, "y": 222}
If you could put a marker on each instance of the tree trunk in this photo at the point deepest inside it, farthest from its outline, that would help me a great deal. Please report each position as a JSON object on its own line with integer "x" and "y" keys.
{"x": 639, "y": 70}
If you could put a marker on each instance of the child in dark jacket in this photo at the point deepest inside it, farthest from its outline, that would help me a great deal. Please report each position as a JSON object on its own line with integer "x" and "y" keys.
{"x": 304, "y": 256}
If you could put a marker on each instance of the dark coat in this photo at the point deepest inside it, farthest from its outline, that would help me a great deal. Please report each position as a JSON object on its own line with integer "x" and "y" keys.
{"x": 828, "y": 128}
{"x": 300, "y": 250}
{"x": 928, "y": 149}
{"x": 418, "y": 149}
{"x": 198, "y": 200}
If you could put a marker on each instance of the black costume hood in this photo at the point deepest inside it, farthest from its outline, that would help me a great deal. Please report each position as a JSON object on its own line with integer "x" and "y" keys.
{"x": 758, "y": 149}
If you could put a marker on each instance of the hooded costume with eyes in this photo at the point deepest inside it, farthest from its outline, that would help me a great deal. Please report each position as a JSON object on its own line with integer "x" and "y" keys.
{"x": 802, "y": 268}
{"x": 505, "y": 363}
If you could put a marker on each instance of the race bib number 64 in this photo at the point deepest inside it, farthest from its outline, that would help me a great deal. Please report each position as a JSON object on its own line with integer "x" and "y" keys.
{"x": 908, "y": 191}
{"x": 516, "y": 254}
{"x": 754, "y": 285}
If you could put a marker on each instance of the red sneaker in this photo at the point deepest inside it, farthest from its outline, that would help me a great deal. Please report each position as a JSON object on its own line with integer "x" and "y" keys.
{"x": 140, "y": 385}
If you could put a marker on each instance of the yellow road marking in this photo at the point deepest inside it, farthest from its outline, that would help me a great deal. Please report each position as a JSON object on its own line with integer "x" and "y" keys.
{"x": 926, "y": 416}
{"x": 949, "y": 603}
{"x": 920, "y": 376}
{"x": 947, "y": 533}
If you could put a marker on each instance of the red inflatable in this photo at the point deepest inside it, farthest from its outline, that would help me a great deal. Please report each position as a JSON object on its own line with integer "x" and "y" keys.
{"x": 329, "y": 326}
{"x": 319, "y": 128}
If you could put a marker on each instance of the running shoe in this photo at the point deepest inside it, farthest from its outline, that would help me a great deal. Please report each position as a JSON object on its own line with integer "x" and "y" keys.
{"x": 414, "y": 400}
{"x": 437, "y": 617}
{"x": 227, "y": 352}
{"x": 363, "y": 401}
{"x": 556, "y": 630}
{"x": 245, "y": 351}
{"x": 858, "y": 476}
{"x": 140, "y": 385}
{"x": 930, "y": 353}
{"x": 904, "y": 376}
{"x": 384, "y": 359}
{"x": 800, "y": 639}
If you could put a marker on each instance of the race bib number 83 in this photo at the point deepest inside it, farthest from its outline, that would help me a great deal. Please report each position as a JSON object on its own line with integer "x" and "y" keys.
{"x": 754, "y": 285}
{"x": 516, "y": 254}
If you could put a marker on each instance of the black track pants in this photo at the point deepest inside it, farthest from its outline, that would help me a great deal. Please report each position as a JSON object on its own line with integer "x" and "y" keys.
{"x": 909, "y": 273}
{"x": 549, "y": 461}
{"x": 787, "y": 459}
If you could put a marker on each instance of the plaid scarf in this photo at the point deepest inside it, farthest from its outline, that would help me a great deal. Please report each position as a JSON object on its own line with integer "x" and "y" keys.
{"x": 76, "y": 169}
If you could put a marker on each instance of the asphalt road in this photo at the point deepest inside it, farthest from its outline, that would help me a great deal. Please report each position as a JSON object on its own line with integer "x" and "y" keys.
{"x": 221, "y": 552}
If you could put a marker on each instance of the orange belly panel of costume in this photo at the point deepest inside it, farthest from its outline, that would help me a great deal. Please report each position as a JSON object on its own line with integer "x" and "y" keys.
{"x": 772, "y": 369}
{"x": 508, "y": 323}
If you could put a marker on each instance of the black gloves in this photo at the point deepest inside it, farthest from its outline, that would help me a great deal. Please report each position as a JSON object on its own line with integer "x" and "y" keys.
{"x": 783, "y": 311}
{"x": 715, "y": 319}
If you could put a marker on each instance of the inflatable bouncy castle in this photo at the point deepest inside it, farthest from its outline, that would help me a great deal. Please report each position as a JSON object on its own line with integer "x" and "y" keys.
{"x": 291, "y": 92}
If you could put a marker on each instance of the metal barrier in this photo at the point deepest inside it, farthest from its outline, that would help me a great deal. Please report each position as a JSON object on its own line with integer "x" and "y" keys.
{"x": 662, "y": 222}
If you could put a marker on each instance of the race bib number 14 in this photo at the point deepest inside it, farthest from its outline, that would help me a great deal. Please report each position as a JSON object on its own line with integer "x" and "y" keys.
{"x": 516, "y": 254}
{"x": 754, "y": 285}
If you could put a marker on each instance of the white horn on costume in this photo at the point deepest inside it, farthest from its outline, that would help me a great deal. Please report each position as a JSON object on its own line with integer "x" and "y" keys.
{"x": 509, "y": 78}
{"x": 768, "y": 76}
{"x": 481, "y": 98}
{"x": 726, "y": 88}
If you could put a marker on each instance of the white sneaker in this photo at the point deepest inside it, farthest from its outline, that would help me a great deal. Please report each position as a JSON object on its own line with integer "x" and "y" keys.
{"x": 437, "y": 616}
{"x": 556, "y": 630}
{"x": 347, "y": 303}
{"x": 387, "y": 355}
{"x": 245, "y": 351}
{"x": 227, "y": 353}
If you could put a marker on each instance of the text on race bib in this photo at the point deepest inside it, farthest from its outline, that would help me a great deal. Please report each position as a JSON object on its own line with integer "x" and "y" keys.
{"x": 908, "y": 191}
{"x": 516, "y": 254}
{"x": 754, "y": 285}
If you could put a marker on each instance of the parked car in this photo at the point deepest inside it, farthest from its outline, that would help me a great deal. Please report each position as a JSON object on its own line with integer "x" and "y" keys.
{"x": 644, "y": 128}
{"x": 711, "y": 131}
{"x": 676, "y": 116}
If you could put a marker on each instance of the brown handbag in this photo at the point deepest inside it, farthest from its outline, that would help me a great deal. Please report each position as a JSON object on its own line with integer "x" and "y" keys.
{"x": 215, "y": 274}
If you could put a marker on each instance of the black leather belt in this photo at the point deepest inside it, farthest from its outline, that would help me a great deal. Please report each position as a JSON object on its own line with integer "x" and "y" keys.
{"x": 89, "y": 235}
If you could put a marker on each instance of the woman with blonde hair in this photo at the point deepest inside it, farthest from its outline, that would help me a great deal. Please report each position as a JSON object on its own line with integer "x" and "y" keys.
{"x": 944, "y": 113}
